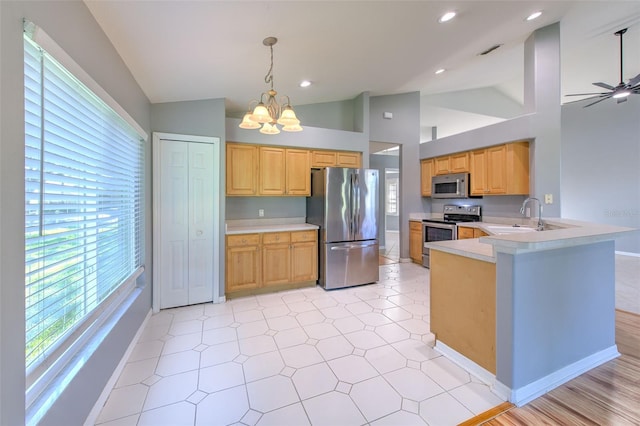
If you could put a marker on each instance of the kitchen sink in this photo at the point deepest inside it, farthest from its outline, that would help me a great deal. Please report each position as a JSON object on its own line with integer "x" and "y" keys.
{"x": 504, "y": 229}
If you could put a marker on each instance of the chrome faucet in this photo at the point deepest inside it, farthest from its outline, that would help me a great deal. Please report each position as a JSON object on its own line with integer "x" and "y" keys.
{"x": 524, "y": 204}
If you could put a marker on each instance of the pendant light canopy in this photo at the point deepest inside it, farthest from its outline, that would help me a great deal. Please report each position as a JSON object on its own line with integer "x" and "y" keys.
{"x": 268, "y": 112}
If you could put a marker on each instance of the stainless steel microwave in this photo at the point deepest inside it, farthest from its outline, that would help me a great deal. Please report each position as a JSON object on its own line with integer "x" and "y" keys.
{"x": 455, "y": 185}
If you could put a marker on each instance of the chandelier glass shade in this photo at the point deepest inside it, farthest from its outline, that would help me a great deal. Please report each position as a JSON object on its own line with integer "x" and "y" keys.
{"x": 267, "y": 112}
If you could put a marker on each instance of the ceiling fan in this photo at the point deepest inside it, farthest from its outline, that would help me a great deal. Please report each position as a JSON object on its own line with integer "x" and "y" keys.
{"x": 619, "y": 92}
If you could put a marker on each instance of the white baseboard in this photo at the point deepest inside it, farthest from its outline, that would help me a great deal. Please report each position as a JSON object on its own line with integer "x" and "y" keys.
{"x": 481, "y": 373}
{"x": 626, "y": 253}
{"x": 97, "y": 407}
{"x": 527, "y": 393}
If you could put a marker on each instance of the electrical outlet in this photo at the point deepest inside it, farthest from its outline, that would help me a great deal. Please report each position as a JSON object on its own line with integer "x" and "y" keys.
{"x": 548, "y": 198}
{"x": 261, "y": 213}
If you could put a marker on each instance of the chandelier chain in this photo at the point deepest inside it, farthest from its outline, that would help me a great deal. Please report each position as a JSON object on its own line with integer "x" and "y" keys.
{"x": 269, "y": 77}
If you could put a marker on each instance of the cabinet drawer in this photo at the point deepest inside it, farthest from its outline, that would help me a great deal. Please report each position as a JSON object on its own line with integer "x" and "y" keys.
{"x": 243, "y": 240}
{"x": 304, "y": 236}
{"x": 275, "y": 238}
{"x": 415, "y": 226}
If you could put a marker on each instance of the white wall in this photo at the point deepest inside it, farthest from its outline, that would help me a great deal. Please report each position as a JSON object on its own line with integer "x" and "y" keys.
{"x": 71, "y": 25}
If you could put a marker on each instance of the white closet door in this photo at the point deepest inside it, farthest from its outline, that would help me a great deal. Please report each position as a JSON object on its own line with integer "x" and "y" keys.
{"x": 186, "y": 210}
{"x": 174, "y": 226}
{"x": 200, "y": 222}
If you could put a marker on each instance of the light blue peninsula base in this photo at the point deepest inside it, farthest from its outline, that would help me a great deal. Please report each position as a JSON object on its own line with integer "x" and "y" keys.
{"x": 555, "y": 304}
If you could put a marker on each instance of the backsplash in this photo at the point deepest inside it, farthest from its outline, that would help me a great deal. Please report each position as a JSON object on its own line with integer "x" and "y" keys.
{"x": 274, "y": 207}
{"x": 492, "y": 206}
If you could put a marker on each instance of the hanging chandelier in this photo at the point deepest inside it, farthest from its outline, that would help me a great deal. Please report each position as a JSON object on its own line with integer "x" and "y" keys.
{"x": 268, "y": 112}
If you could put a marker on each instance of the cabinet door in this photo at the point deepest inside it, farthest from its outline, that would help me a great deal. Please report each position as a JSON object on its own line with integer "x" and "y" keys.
{"x": 321, "y": 159}
{"x": 349, "y": 159}
{"x": 304, "y": 261}
{"x": 426, "y": 173}
{"x": 477, "y": 233}
{"x": 459, "y": 163}
{"x": 242, "y": 168}
{"x": 478, "y": 172}
{"x": 496, "y": 170}
{"x": 243, "y": 267}
{"x": 441, "y": 165}
{"x": 272, "y": 171}
{"x": 298, "y": 172}
{"x": 415, "y": 241}
{"x": 276, "y": 263}
{"x": 465, "y": 232}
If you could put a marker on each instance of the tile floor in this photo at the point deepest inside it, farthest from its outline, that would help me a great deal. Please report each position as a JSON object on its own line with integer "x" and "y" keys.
{"x": 392, "y": 245}
{"x": 354, "y": 356}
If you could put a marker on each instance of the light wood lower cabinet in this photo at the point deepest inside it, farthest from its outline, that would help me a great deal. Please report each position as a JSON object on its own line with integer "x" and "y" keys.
{"x": 244, "y": 262}
{"x": 415, "y": 241}
{"x": 269, "y": 261}
{"x": 465, "y": 232}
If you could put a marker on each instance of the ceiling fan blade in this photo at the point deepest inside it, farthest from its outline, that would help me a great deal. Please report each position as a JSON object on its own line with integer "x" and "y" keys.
{"x": 621, "y": 100}
{"x": 604, "y": 85}
{"x": 635, "y": 80}
{"x": 586, "y": 99}
{"x": 603, "y": 98}
{"x": 586, "y": 94}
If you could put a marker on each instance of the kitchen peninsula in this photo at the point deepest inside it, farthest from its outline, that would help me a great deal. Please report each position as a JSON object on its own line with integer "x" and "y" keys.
{"x": 527, "y": 310}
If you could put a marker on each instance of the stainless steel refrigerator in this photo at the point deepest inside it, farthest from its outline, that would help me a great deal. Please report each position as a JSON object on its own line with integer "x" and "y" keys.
{"x": 344, "y": 204}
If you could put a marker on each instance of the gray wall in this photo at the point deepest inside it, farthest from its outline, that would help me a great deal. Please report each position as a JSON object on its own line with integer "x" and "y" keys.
{"x": 601, "y": 165}
{"x": 274, "y": 207}
{"x": 198, "y": 118}
{"x": 329, "y": 115}
{"x": 71, "y": 25}
{"x": 403, "y": 129}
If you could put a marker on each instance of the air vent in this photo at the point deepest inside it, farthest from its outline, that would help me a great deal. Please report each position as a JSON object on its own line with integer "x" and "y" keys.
{"x": 489, "y": 50}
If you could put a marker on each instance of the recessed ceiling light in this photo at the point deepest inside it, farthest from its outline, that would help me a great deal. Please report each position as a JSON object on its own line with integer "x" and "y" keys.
{"x": 440, "y": 71}
{"x": 447, "y": 17}
{"x": 534, "y": 15}
{"x": 305, "y": 83}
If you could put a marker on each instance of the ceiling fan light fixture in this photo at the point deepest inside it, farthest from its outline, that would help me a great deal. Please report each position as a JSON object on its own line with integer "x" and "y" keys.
{"x": 534, "y": 15}
{"x": 447, "y": 16}
{"x": 305, "y": 83}
{"x": 621, "y": 94}
{"x": 268, "y": 111}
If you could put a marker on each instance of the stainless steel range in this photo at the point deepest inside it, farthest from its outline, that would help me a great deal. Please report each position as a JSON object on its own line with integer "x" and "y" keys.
{"x": 446, "y": 228}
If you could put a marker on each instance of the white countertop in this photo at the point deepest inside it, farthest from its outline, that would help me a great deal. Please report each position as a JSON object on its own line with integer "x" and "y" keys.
{"x": 565, "y": 233}
{"x": 256, "y": 226}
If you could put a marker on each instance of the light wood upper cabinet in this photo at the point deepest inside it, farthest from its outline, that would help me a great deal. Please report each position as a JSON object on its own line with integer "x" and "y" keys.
{"x": 426, "y": 173}
{"x": 242, "y": 169}
{"x": 272, "y": 171}
{"x": 323, "y": 158}
{"x": 415, "y": 241}
{"x": 349, "y": 159}
{"x": 454, "y": 163}
{"x": 500, "y": 170}
{"x": 298, "y": 172}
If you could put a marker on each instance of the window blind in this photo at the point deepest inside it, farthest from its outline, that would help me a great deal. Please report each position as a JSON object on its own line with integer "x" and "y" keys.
{"x": 83, "y": 203}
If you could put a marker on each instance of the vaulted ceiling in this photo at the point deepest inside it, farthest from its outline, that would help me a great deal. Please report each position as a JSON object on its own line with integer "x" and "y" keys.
{"x": 185, "y": 50}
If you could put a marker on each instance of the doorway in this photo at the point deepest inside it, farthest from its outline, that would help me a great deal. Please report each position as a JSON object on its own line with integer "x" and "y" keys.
{"x": 186, "y": 226}
{"x": 385, "y": 157}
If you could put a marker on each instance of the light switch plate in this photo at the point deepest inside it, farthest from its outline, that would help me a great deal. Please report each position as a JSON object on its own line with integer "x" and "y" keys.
{"x": 261, "y": 213}
{"x": 548, "y": 198}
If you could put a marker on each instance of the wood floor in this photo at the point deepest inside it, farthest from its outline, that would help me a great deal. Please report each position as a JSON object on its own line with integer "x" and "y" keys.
{"x": 606, "y": 395}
